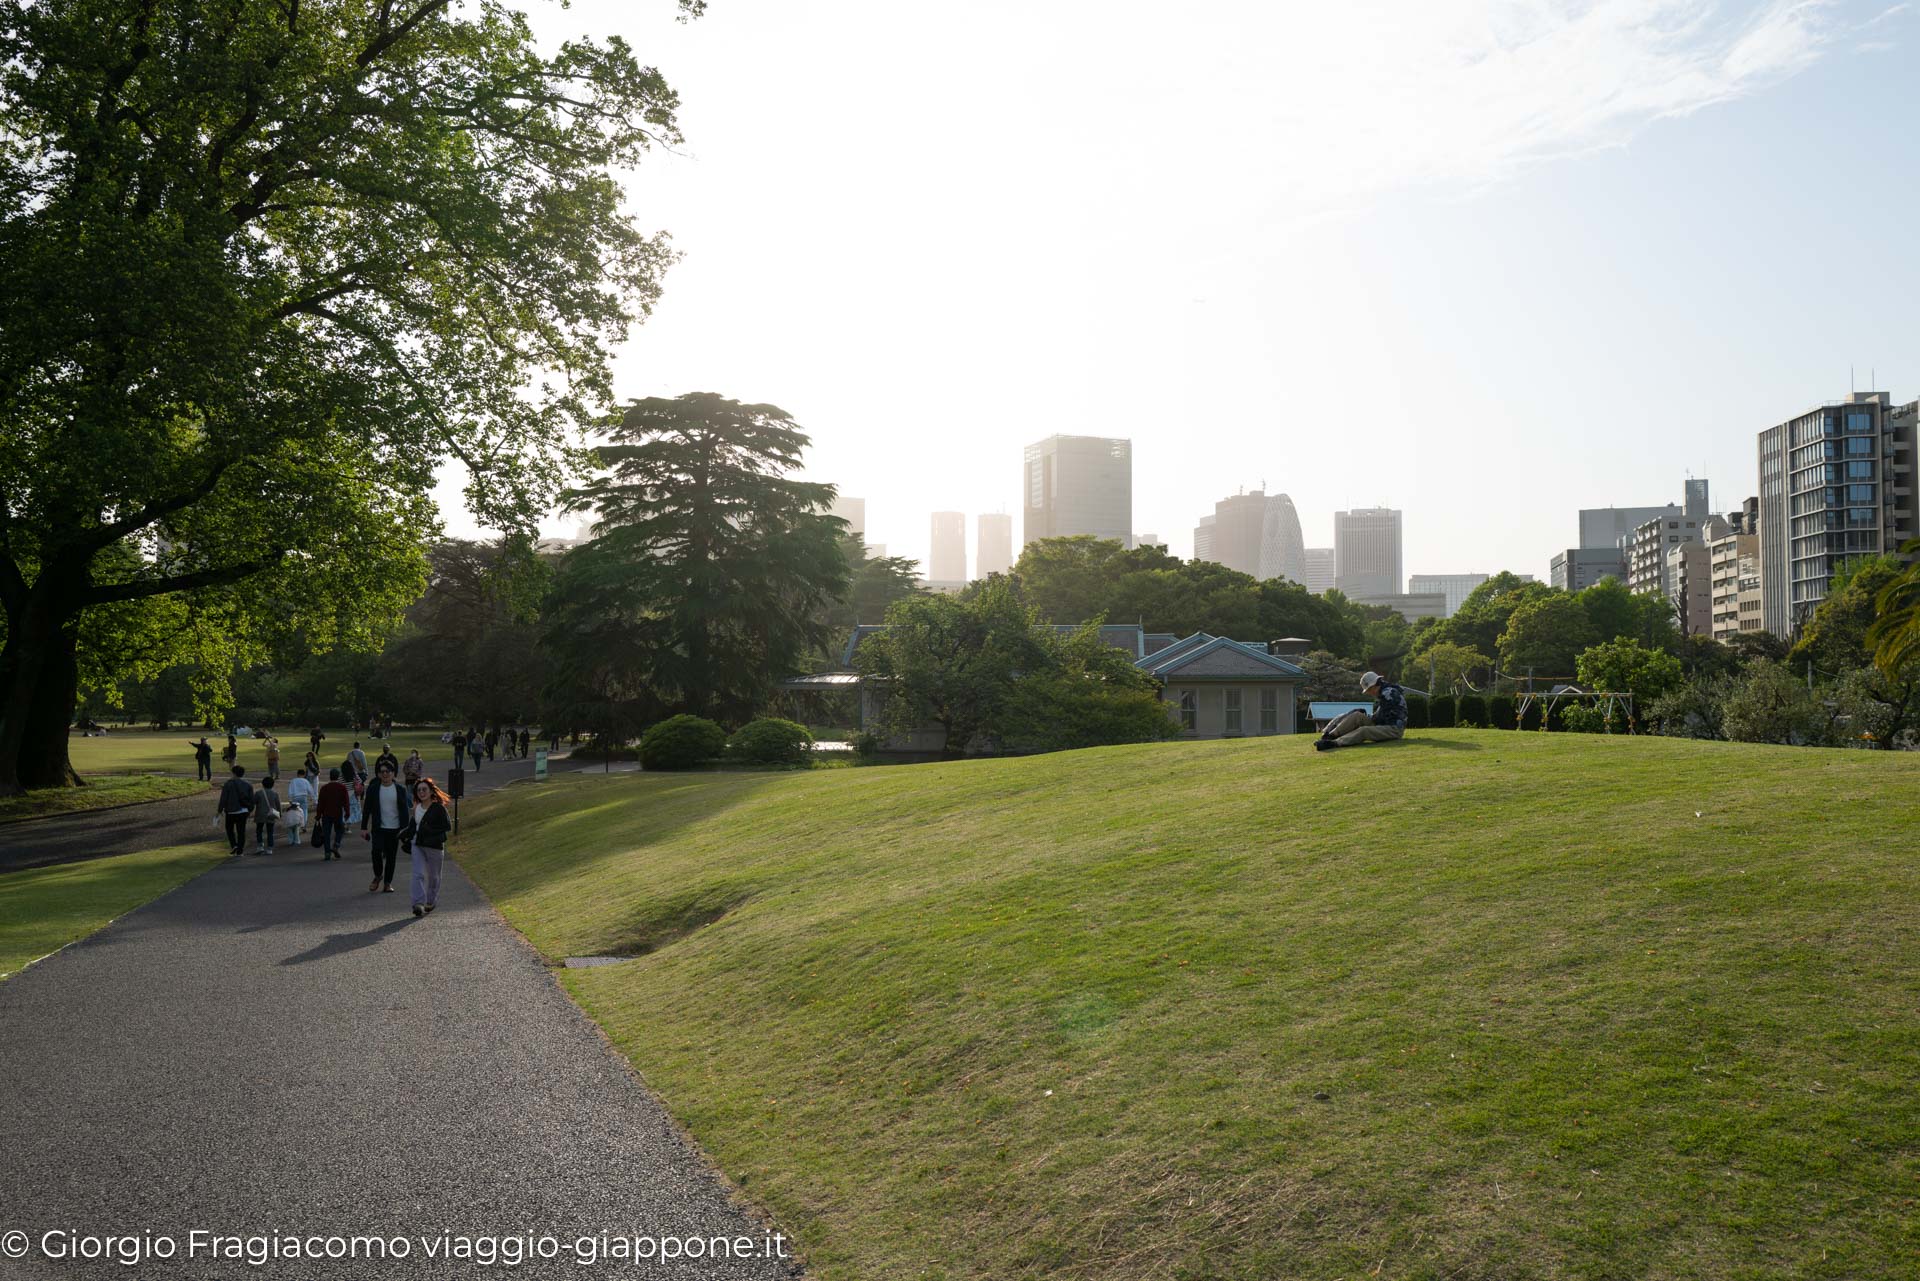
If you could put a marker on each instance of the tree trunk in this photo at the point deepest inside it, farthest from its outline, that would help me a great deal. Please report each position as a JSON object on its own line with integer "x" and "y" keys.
{"x": 39, "y": 682}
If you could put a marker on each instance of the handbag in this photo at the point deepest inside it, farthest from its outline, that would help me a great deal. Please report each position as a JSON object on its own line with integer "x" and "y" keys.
{"x": 316, "y": 840}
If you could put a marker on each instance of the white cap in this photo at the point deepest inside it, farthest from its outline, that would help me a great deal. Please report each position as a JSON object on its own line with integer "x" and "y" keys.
{"x": 1368, "y": 681}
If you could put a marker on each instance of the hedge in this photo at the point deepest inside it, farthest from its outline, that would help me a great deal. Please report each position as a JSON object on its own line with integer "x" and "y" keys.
{"x": 1532, "y": 718}
{"x": 681, "y": 742}
{"x": 1440, "y": 711}
{"x": 1416, "y": 712}
{"x": 771, "y": 741}
{"x": 1471, "y": 711}
{"x": 1500, "y": 711}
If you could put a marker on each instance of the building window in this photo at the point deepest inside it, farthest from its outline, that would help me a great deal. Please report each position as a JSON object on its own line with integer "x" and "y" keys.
{"x": 1269, "y": 710}
{"x": 1230, "y": 717}
{"x": 1189, "y": 712}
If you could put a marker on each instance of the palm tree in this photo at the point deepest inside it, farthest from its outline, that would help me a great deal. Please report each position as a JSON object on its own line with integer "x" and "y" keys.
{"x": 1895, "y": 634}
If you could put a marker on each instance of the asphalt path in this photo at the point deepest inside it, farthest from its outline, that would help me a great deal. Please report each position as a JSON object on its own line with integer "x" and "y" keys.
{"x": 271, "y": 1050}
{"x": 73, "y": 838}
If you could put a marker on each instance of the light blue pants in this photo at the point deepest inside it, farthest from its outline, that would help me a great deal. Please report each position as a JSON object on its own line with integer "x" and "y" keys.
{"x": 426, "y": 874}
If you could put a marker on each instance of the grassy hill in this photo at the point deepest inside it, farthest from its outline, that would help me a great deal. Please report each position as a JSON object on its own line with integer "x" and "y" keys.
{"x": 1480, "y": 1005}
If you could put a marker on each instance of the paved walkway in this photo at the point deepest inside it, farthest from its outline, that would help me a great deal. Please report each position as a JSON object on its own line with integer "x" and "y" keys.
{"x": 73, "y": 838}
{"x": 270, "y": 1049}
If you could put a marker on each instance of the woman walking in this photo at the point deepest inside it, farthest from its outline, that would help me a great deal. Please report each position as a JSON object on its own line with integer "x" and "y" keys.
{"x": 413, "y": 769}
{"x": 266, "y": 815}
{"x": 426, "y": 833}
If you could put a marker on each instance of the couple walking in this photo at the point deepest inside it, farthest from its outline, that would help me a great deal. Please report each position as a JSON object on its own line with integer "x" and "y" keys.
{"x": 393, "y": 815}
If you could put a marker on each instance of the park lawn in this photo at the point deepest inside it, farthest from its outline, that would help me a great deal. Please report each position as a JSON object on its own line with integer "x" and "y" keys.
{"x": 1483, "y": 1004}
{"x": 45, "y": 908}
{"x": 101, "y": 792}
{"x": 138, "y": 751}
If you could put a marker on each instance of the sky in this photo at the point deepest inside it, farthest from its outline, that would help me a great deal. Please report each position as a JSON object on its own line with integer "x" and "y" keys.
{"x": 1486, "y": 261}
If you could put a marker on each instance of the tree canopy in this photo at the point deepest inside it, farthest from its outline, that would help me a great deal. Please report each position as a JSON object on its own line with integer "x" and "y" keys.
{"x": 265, "y": 266}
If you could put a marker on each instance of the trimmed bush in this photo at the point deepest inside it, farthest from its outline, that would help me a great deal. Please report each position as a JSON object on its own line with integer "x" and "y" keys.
{"x": 1471, "y": 711}
{"x": 1416, "y": 712}
{"x": 1584, "y": 720}
{"x": 1440, "y": 711}
{"x": 1500, "y": 711}
{"x": 1532, "y": 718}
{"x": 681, "y": 742}
{"x": 771, "y": 741}
{"x": 1557, "y": 718}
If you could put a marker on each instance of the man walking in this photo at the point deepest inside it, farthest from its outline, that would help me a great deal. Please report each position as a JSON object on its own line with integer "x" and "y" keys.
{"x": 330, "y": 810}
{"x": 358, "y": 759}
{"x": 236, "y": 805}
{"x": 382, "y": 815}
{"x": 301, "y": 795}
{"x": 202, "y": 759}
{"x": 1385, "y": 723}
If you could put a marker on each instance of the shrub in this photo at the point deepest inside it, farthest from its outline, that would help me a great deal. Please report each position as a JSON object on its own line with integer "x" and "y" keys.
{"x": 1471, "y": 710}
{"x": 1500, "y": 711}
{"x": 771, "y": 741}
{"x": 1581, "y": 719}
{"x": 1697, "y": 709}
{"x": 1531, "y": 719}
{"x": 1440, "y": 711}
{"x": 1770, "y": 705}
{"x": 681, "y": 742}
{"x": 865, "y": 743}
{"x": 1557, "y": 715}
{"x": 1416, "y": 712}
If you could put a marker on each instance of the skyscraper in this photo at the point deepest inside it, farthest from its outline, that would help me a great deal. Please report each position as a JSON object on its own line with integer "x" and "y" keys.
{"x": 993, "y": 547}
{"x": 1366, "y": 551}
{"x": 854, "y": 512}
{"x": 947, "y": 558}
{"x": 1835, "y": 482}
{"x": 1239, "y": 525}
{"x": 1078, "y": 485}
{"x": 1283, "y": 552}
{"x": 1320, "y": 576}
{"x": 1203, "y": 539}
{"x": 1455, "y": 587}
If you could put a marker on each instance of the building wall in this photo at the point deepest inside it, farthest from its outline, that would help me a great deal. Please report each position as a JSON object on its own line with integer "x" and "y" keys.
{"x": 1078, "y": 485}
{"x": 1283, "y": 550}
{"x": 1239, "y": 525}
{"x": 1366, "y": 551}
{"x": 1320, "y": 576}
{"x": 854, "y": 512}
{"x": 993, "y": 548}
{"x": 1455, "y": 587}
{"x": 1203, "y": 539}
{"x": 1410, "y": 605}
{"x": 947, "y": 559}
{"x": 1579, "y": 568}
{"x": 1647, "y": 548}
{"x": 1210, "y": 707}
{"x": 1733, "y": 557}
{"x": 1606, "y": 526}
{"x": 1690, "y": 588}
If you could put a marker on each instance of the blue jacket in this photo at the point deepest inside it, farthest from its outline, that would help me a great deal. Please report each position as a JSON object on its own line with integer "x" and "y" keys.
{"x": 1390, "y": 705}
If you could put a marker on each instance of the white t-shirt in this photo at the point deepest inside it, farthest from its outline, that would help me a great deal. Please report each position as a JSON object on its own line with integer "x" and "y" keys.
{"x": 389, "y": 805}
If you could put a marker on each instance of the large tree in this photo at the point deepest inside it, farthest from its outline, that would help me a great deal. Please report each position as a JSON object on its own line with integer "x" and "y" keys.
{"x": 711, "y": 569}
{"x": 264, "y": 265}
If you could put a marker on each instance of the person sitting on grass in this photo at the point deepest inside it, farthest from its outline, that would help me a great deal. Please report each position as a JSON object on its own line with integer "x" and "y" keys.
{"x": 1386, "y": 722}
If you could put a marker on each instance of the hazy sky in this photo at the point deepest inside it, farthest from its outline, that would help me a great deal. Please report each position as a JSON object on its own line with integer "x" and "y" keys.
{"x": 1487, "y": 261}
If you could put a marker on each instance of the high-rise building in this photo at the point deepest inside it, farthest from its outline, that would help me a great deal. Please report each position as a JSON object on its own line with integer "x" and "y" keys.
{"x": 1410, "y": 605}
{"x": 1239, "y": 525}
{"x": 1203, "y": 539}
{"x": 1648, "y": 569}
{"x": 1150, "y": 540}
{"x": 1609, "y": 526}
{"x": 1455, "y": 587}
{"x": 1835, "y": 483}
{"x": 993, "y": 548}
{"x": 1578, "y": 568}
{"x": 1320, "y": 576}
{"x": 1078, "y": 485}
{"x": 1690, "y": 584}
{"x": 854, "y": 512}
{"x": 1283, "y": 552}
{"x": 1366, "y": 551}
{"x": 1733, "y": 558}
{"x": 947, "y": 556}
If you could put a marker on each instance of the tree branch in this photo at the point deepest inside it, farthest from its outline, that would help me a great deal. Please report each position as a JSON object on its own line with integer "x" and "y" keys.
{"x": 153, "y": 511}
{"x": 141, "y": 588}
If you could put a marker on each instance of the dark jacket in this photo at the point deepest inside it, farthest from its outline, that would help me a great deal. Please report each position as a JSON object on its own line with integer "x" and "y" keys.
{"x": 1390, "y": 705}
{"x": 370, "y": 807}
{"x": 431, "y": 831}
{"x": 236, "y": 795}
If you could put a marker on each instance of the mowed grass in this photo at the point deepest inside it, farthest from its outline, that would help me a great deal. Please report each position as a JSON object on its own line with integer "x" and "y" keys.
{"x": 45, "y": 908}
{"x": 100, "y": 793}
{"x": 1479, "y": 1005}
{"x": 139, "y": 751}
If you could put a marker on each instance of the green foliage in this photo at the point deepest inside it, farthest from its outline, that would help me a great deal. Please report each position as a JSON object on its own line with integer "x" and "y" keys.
{"x": 1696, "y": 709}
{"x": 1445, "y": 664}
{"x": 1482, "y": 618}
{"x": 1590, "y": 718}
{"x": 1617, "y": 613}
{"x": 1836, "y": 639}
{"x": 1440, "y": 711}
{"x": 873, "y": 584}
{"x": 1500, "y": 711}
{"x": 771, "y": 741}
{"x": 1532, "y": 718}
{"x": 1417, "y": 717}
{"x": 1470, "y": 710}
{"x": 711, "y": 568}
{"x": 682, "y": 742}
{"x": 866, "y": 743}
{"x": 265, "y": 269}
{"x": 1747, "y": 646}
{"x": 1625, "y": 667}
{"x": 1544, "y": 634}
{"x": 1895, "y": 631}
{"x": 1328, "y": 677}
{"x": 1771, "y": 705}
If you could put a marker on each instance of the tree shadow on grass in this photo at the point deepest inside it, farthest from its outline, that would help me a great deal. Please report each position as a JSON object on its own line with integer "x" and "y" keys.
{"x": 337, "y": 944}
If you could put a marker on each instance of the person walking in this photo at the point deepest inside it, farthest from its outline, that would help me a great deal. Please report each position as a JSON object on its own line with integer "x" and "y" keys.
{"x": 236, "y": 807}
{"x": 301, "y": 796}
{"x": 358, "y": 759}
{"x": 330, "y": 811}
{"x": 314, "y": 737}
{"x": 553, "y": 740}
{"x": 459, "y": 741}
{"x": 526, "y": 737}
{"x": 493, "y": 740}
{"x": 312, "y": 766}
{"x": 232, "y": 753}
{"x": 383, "y": 815}
{"x": 413, "y": 770}
{"x": 202, "y": 759}
{"x": 474, "y": 748}
{"x": 386, "y": 754}
{"x": 266, "y": 816}
{"x": 273, "y": 757}
{"x": 426, "y": 836}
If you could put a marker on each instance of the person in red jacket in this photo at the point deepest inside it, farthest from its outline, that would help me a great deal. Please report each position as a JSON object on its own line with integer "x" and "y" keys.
{"x": 331, "y": 811}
